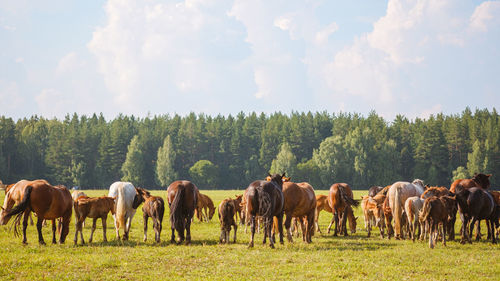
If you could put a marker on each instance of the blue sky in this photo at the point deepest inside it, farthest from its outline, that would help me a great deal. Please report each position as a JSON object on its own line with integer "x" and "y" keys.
{"x": 411, "y": 57}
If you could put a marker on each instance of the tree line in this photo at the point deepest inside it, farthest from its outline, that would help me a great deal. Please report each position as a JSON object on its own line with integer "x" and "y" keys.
{"x": 228, "y": 152}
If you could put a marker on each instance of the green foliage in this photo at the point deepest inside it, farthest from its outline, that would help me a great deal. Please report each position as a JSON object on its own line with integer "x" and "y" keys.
{"x": 204, "y": 174}
{"x": 165, "y": 171}
{"x": 285, "y": 162}
{"x": 133, "y": 167}
{"x": 461, "y": 173}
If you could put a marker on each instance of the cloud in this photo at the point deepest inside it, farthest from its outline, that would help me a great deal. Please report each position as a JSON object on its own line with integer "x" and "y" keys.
{"x": 487, "y": 13}
{"x": 10, "y": 98}
{"x": 68, "y": 63}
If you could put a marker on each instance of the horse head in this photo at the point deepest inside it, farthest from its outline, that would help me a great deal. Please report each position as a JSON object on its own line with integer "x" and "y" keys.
{"x": 140, "y": 196}
{"x": 482, "y": 180}
{"x": 277, "y": 179}
{"x": 8, "y": 203}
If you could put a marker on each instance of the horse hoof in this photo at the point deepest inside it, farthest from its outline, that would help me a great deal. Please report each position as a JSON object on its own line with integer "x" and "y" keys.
{"x": 41, "y": 242}
{"x": 250, "y": 245}
{"x": 272, "y": 246}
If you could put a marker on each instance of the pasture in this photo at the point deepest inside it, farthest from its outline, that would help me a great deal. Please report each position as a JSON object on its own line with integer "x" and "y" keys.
{"x": 353, "y": 257}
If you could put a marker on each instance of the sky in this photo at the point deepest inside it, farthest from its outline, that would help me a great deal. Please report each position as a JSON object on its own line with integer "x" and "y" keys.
{"x": 150, "y": 57}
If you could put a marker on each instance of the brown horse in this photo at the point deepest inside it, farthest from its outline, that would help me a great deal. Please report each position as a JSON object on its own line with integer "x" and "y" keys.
{"x": 321, "y": 204}
{"x": 227, "y": 211}
{"x": 46, "y": 201}
{"x": 373, "y": 212}
{"x": 182, "y": 198}
{"x": 205, "y": 208}
{"x": 340, "y": 199}
{"x": 300, "y": 201}
{"x": 239, "y": 208}
{"x": 478, "y": 180}
{"x": 438, "y": 192}
{"x": 265, "y": 198}
{"x": 95, "y": 208}
{"x": 388, "y": 217}
{"x": 154, "y": 208}
{"x": 436, "y": 212}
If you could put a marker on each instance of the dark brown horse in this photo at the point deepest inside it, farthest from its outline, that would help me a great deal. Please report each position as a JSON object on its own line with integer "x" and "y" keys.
{"x": 478, "y": 180}
{"x": 265, "y": 198}
{"x": 182, "y": 198}
{"x": 154, "y": 208}
{"x": 438, "y": 192}
{"x": 340, "y": 198}
{"x": 436, "y": 212}
{"x": 227, "y": 212}
{"x": 476, "y": 204}
{"x": 374, "y": 190}
{"x": 95, "y": 208}
{"x": 46, "y": 201}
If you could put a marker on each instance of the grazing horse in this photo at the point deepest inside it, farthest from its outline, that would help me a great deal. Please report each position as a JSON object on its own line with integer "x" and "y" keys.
{"x": 95, "y": 208}
{"x": 300, "y": 201}
{"x": 436, "y": 211}
{"x": 154, "y": 208}
{"x": 127, "y": 201}
{"x": 46, "y": 201}
{"x": 265, "y": 198}
{"x": 321, "y": 204}
{"x": 227, "y": 211}
{"x": 476, "y": 204}
{"x": 478, "y": 180}
{"x": 373, "y": 212}
{"x": 340, "y": 199}
{"x": 413, "y": 205}
{"x": 398, "y": 193}
{"x": 205, "y": 208}
{"x": 182, "y": 199}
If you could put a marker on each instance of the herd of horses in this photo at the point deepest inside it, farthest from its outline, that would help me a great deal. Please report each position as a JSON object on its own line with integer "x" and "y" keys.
{"x": 275, "y": 203}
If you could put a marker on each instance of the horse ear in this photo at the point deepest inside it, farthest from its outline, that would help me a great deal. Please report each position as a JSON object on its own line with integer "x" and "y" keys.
{"x": 283, "y": 174}
{"x": 2, "y": 208}
{"x": 488, "y": 175}
{"x": 269, "y": 174}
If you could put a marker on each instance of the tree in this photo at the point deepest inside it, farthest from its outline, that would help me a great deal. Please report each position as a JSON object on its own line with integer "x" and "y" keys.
{"x": 204, "y": 173}
{"x": 460, "y": 173}
{"x": 332, "y": 160}
{"x": 133, "y": 167}
{"x": 309, "y": 172}
{"x": 285, "y": 161}
{"x": 165, "y": 171}
{"x": 77, "y": 172}
{"x": 476, "y": 161}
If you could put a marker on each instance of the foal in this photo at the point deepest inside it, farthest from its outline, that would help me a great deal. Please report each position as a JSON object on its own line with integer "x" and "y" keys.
{"x": 153, "y": 207}
{"x": 227, "y": 211}
{"x": 92, "y": 207}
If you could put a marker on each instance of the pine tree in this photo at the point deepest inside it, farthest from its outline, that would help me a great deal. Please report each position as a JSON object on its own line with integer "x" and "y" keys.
{"x": 165, "y": 171}
{"x": 285, "y": 161}
{"x": 133, "y": 167}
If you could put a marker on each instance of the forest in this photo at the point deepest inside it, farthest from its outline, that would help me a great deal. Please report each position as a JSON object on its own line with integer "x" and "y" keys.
{"x": 229, "y": 152}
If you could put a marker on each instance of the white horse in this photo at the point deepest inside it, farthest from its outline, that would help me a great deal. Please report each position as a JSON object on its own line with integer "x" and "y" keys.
{"x": 413, "y": 205}
{"x": 127, "y": 201}
{"x": 398, "y": 193}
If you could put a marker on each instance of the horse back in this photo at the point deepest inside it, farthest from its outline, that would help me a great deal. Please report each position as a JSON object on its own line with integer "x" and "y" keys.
{"x": 48, "y": 201}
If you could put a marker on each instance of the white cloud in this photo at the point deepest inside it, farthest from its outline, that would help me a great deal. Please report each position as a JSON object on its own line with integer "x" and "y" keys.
{"x": 68, "y": 63}
{"x": 488, "y": 13}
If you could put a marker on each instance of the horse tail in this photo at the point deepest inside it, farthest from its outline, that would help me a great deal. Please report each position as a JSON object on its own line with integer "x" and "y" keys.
{"x": 347, "y": 199}
{"x": 176, "y": 219}
{"x": 397, "y": 210}
{"x": 161, "y": 209}
{"x": 121, "y": 210}
{"x": 264, "y": 199}
{"x": 426, "y": 210}
{"x": 227, "y": 211}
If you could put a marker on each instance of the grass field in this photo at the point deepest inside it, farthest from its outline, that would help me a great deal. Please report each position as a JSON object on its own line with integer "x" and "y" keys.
{"x": 353, "y": 257}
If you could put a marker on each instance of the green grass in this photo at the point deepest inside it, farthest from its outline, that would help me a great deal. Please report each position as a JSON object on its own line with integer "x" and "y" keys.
{"x": 353, "y": 257}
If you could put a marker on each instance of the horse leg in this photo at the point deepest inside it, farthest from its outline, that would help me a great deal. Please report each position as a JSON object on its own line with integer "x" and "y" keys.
{"x": 443, "y": 232}
{"x": 472, "y": 223}
{"x": 39, "y": 225}
{"x": 235, "y": 226}
{"x": 117, "y": 227}
{"x": 331, "y": 223}
{"x": 288, "y": 227}
{"x": 94, "y": 221}
{"x": 252, "y": 230}
{"x": 172, "y": 239}
{"x": 344, "y": 222}
{"x": 492, "y": 229}
{"x": 27, "y": 216}
{"x": 488, "y": 227}
{"x": 103, "y": 220}
{"x": 145, "y": 217}
{"x": 478, "y": 230}
{"x": 54, "y": 229}
{"x": 268, "y": 222}
{"x": 451, "y": 228}
{"x": 188, "y": 232}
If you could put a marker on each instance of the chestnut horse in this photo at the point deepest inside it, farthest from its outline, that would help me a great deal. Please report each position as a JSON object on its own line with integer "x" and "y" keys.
{"x": 227, "y": 212}
{"x": 398, "y": 193}
{"x": 46, "y": 201}
{"x": 436, "y": 212}
{"x": 265, "y": 198}
{"x": 340, "y": 199}
{"x": 478, "y": 180}
{"x": 373, "y": 212}
{"x": 95, "y": 208}
{"x": 205, "y": 208}
{"x": 300, "y": 201}
{"x": 413, "y": 205}
{"x": 182, "y": 199}
{"x": 153, "y": 208}
{"x": 438, "y": 192}
{"x": 321, "y": 204}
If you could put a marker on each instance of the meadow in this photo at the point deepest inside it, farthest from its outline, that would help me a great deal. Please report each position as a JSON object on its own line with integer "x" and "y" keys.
{"x": 353, "y": 257}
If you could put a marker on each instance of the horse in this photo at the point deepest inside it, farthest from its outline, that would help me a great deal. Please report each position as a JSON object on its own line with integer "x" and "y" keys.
{"x": 475, "y": 204}
{"x": 373, "y": 212}
{"x": 372, "y": 191}
{"x": 398, "y": 193}
{"x": 321, "y": 204}
{"x": 265, "y": 198}
{"x": 413, "y": 205}
{"x": 478, "y": 180}
{"x": 182, "y": 199}
{"x": 227, "y": 211}
{"x": 300, "y": 201}
{"x": 205, "y": 208}
{"x": 127, "y": 201}
{"x": 154, "y": 208}
{"x": 95, "y": 208}
{"x": 436, "y": 211}
{"x": 75, "y": 195}
{"x": 46, "y": 201}
{"x": 442, "y": 191}
{"x": 340, "y": 199}
{"x": 388, "y": 217}
{"x": 239, "y": 208}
